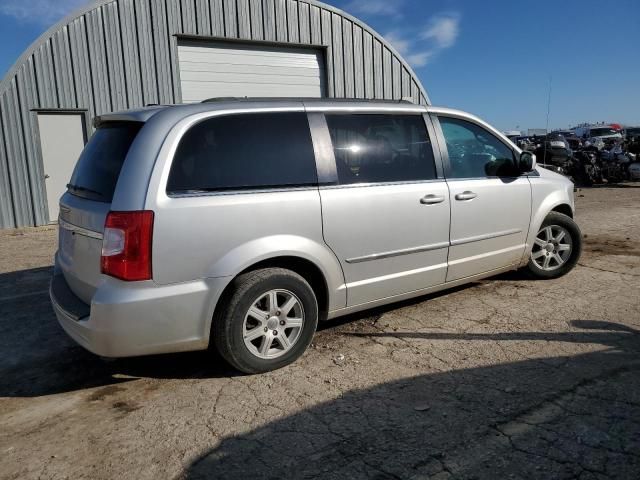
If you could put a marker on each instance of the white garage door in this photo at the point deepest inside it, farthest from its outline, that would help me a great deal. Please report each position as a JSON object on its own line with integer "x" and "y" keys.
{"x": 233, "y": 70}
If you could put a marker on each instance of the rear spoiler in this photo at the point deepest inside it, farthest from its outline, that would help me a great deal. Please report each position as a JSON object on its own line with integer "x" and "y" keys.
{"x": 141, "y": 115}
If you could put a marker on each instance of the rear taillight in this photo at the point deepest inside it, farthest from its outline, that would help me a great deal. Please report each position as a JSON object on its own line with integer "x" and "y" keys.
{"x": 126, "y": 245}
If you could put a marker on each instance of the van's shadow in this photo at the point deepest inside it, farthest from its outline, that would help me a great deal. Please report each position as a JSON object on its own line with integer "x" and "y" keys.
{"x": 38, "y": 358}
{"x": 566, "y": 417}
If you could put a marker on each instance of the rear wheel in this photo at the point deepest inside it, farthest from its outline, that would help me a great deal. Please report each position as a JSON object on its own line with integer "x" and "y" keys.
{"x": 267, "y": 321}
{"x": 557, "y": 247}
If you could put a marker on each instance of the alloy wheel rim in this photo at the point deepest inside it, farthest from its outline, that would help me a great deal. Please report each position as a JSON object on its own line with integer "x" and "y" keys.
{"x": 552, "y": 248}
{"x": 273, "y": 324}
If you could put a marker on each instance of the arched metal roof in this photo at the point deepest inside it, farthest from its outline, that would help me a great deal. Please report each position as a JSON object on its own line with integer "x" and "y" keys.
{"x": 116, "y": 54}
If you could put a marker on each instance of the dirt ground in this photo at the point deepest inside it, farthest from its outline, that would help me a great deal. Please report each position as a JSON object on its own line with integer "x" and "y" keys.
{"x": 505, "y": 378}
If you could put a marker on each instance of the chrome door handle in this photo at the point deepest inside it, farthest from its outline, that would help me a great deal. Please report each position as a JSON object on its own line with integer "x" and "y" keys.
{"x": 432, "y": 199}
{"x": 466, "y": 195}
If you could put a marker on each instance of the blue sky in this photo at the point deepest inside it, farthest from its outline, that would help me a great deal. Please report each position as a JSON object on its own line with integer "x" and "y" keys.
{"x": 493, "y": 58}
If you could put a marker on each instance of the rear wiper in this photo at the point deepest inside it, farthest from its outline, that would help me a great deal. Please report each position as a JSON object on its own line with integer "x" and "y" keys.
{"x": 84, "y": 189}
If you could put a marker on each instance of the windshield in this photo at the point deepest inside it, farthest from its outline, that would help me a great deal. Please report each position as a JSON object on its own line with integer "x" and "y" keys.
{"x": 633, "y": 131}
{"x": 98, "y": 168}
{"x": 602, "y": 132}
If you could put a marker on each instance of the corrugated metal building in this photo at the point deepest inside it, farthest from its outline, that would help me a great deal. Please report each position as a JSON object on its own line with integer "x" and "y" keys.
{"x": 119, "y": 54}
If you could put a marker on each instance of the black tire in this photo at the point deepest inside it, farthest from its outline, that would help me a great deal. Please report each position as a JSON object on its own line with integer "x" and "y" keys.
{"x": 561, "y": 220}
{"x": 228, "y": 323}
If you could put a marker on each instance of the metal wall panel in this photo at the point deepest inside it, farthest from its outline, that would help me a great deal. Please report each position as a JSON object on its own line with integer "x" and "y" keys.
{"x": 338, "y": 54}
{"x": 217, "y": 18}
{"x": 189, "y": 24}
{"x": 230, "y": 19}
{"x": 174, "y": 26}
{"x": 203, "y": 17}
{"x": 378, "y": 74}
{"x": 303, "y": 18}
{"x": 147, "y": 53}
{"x": 118, "y": 54}
{"x": 358, "y": 62}
{"x": 25, "y": 83}
{"x": 293, "y": 26}
{"x": 63, "y": 68}
{"x": 131, "y": 53}
{"x": 257, "y": 28}
{"x": 244, "y": 19}
{"x": 387, "y": 77}
{"x": 161, "y": 42}
{"x": 368, "y": 65}
{"x": 98, "y": 59}
{"x": 406, "y": 83}
{"x": 327, "y": 39}
{"x": 316, "y": 25}
{"x": 282, "y": 34}
{"x": 115, "y": 65}
{"x": 48, "y": 93}
{"x": 6, "y": 201}
{"x": 415, "y": 91}
{"x": 269, "y": 19}
{"x": 347, "y": 39}
{"x": 396, "y": 79}
{"x": 18, "y": 169}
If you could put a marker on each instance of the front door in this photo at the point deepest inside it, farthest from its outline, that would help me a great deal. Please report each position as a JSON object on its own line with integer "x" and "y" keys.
{"x": 490, "y": 202}
{"x": 387, "y": 219}
{"x": 62, "y": 139}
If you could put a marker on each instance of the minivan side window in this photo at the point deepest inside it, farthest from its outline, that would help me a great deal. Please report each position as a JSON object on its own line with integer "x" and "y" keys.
{"x": 381, "y": 148}
{"x": 245, "y": 151}
{"x": 475, "y": 152}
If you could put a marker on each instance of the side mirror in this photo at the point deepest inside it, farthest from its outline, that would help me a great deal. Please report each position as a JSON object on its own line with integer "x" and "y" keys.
{"x": 527, "y": 162}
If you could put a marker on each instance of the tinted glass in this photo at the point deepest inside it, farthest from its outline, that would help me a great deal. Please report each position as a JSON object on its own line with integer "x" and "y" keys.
{"x": 474, "y": 152}
{"x": 245, "y": 151}
{"x": 97, "y": 171}
{"x": 601, "y": 132}
{"x": 381, "y": 148}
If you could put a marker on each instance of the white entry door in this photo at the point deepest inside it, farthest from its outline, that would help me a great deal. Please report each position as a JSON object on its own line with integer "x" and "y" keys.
{"x": 62, "y": 139}
{"x": 209, "y": 70}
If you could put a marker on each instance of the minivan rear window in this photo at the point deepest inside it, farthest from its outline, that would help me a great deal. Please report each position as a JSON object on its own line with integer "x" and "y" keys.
{"x": 244, "y": 151}
{"x": 98, "y": 168}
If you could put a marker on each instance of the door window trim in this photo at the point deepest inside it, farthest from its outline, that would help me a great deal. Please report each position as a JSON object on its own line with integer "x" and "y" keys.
{"x": 236, "y": 190}
{"x": 325, "y": 156}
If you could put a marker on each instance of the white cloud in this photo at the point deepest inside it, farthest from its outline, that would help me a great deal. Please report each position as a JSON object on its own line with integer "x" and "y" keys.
{"x": 443, "y": 29}
{"x": 419, "y": 59}
{"x": 402, "y": 45}
{"x": 391, "y": 8}
{"x": 43, "y": 12}
{"x": 419, "y": 48}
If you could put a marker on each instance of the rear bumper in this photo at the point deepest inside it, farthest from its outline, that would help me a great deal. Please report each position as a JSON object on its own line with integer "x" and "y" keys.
{"x": 139, "y": 318}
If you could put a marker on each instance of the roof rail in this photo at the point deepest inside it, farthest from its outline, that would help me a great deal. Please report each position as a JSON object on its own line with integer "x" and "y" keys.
{"x": 304, "y": 99}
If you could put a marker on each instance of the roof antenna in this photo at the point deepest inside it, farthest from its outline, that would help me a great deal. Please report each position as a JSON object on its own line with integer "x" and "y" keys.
{"x": 548, "y": 115}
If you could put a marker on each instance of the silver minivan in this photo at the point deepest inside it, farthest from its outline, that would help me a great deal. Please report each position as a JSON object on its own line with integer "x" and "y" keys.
{"x": 242, "y": 223}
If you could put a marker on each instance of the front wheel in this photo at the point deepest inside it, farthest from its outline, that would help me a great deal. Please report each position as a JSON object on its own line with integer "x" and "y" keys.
{"x": 267, "y": 321}
{"x": 557, "y": 247}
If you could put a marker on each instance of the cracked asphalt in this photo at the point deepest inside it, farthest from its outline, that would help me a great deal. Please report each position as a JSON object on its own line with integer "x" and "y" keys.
{"x": 504, "y": 378}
